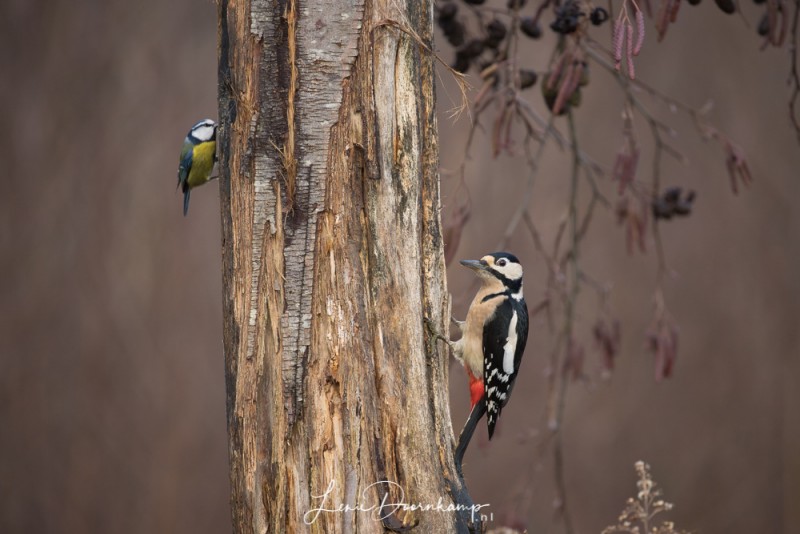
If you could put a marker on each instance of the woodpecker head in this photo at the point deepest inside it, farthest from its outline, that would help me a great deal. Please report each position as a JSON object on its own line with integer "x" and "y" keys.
{"x": 498, "y": 268}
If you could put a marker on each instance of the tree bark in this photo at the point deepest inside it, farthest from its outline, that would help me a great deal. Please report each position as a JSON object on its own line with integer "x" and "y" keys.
{"x": 332, "y": 257}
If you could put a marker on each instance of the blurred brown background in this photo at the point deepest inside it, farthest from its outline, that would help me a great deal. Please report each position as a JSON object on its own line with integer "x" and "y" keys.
{"x": 111, "y": 373}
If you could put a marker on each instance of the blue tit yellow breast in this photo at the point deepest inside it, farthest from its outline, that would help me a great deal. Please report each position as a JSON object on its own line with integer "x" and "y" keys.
{"x": 202, "y": 163}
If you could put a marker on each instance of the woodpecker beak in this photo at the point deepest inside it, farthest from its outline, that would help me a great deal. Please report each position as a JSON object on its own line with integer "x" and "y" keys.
{"x": 475, "y": 265}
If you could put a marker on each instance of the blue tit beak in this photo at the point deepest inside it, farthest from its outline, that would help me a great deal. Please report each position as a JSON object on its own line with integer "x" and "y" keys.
{"x": 475, "y": 265}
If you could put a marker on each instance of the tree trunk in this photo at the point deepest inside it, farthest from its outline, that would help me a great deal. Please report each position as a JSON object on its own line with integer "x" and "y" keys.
{"x": 332, "y": 256}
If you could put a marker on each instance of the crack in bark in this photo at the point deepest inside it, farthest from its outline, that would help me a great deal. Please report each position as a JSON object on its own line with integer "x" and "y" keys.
{"x": 294, "y": 331}
{"x": 299, "y": 269}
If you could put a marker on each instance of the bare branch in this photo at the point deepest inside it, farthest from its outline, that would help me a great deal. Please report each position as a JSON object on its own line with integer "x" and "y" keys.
{"x": 794, "y": 77}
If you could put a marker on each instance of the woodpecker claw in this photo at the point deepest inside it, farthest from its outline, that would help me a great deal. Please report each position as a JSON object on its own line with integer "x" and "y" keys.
{"x": 435, "y": 333}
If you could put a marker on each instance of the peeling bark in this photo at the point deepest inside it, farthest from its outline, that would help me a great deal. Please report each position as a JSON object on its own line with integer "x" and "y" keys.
{"x": 332, "y": 256}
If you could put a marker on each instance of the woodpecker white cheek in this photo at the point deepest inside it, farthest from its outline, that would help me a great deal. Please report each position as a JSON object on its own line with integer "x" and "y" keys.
{"x": 512, "y": 271}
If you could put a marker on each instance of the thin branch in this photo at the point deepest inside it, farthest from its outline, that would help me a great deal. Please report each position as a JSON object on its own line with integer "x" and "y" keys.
{"x": 527, "y": 195}
{"x": 592, "y": 169}
{"x": 794, "y": 79}
{"x": 672, "y": 103}
{"x": 537, "y": 241}
{"x": 558, "y": 448}
{"x": 662, "y": 263}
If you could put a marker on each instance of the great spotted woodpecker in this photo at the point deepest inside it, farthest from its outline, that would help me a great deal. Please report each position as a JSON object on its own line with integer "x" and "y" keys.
{"x": 494, "y": 333}
{"x": 493, "y": 339}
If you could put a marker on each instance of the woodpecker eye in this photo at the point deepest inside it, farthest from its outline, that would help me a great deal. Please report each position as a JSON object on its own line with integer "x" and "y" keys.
{"x": 502, "y": 262}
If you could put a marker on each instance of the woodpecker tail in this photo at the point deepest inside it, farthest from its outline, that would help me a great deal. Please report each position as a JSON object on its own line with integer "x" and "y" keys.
{"x": 466, "y": 433}
{"x": 186, "y": 192}
{"x": 492, "y": 413}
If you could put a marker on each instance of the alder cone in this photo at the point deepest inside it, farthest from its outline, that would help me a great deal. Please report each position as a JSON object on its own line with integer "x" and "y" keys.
{"x": 527, "y": 78}
{"x": 530, "y": 27}
{"x": 763, "y": 26}
{"x": 728, "y": 6}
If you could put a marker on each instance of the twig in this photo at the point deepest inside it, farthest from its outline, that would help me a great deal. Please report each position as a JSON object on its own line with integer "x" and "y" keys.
{"x": 591, "y": 166}
{"x": 537, "y": 242}
{"x": 527, "y": 195}
{"x": 558, "y": 448}
{"x": 794, "y": 78}
{"x": 591, "y": 51}
{"x": 662, "y": 264}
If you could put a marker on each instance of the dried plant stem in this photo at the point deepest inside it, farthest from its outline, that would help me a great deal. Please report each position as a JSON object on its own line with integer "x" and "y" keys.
{"x": 638, "y": 512}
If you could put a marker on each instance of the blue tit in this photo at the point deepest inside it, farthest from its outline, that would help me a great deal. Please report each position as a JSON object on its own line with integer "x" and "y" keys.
{"x": 197, "y": 158}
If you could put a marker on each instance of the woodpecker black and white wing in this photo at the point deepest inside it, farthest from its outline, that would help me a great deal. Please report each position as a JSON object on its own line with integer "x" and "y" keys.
{"x": 504, "y": 338}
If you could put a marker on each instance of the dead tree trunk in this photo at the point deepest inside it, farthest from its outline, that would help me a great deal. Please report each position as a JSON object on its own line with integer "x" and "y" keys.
{"x": 332, "y": 256}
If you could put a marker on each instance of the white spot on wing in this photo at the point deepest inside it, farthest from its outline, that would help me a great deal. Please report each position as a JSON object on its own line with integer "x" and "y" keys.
{"x": 510, "y": 347}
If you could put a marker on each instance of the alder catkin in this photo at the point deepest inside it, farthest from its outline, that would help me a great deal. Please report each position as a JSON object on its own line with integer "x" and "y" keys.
{"x": 619, "y": 37}
{"x": 639, "y": 32}
{"x": 631, "y": 70}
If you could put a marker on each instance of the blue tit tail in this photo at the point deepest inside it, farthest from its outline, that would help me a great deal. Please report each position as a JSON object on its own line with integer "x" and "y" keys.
{"x": 186, "y": 192}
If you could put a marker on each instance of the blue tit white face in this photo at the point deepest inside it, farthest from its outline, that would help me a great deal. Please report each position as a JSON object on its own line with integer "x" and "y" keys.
{"x": 203, "y": 131}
